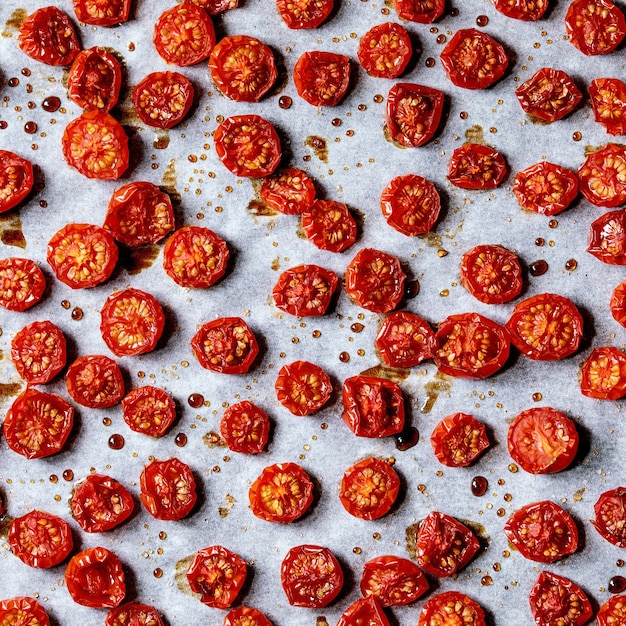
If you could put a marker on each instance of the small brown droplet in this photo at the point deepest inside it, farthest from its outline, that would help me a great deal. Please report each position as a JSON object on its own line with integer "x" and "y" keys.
{"x": 106, "y": 421}
{"x": 3, "y": 124}
{"x": 406, "y": 439}
{"x": 180, "y": 440}
{"x": 116, "y": 442}
{"x": 349, "y": 133}
{"x": 25, "y": 71}
{"x": 378, "y": 98}
{"x": 51, "y": 104}
{"x": 571, "y": 265}
{"x": 430, "y": 62}
{"x": 463, "y": 115}
{"x": 336, "y": 121}
{"x": 65, "y": 304}
{"x": 162, "y": 535}
{"x": 454, "y": 12}
{"x": 496, "y": 567}
{"x": 68, "y": 474}
{"x": 195, "y": 400}
{"x": 479, "y": 486}
{"x": 508, "y": 497}
{"x": 376, "y": 536}
{"x": 540, "y": 241}
{"x": 537, "y": 397}
{"x": 30, "y": 128}
{"x": 506, "y": 554}
{"x": 362, "y": 107}
{"x": 316, "y": 334}
{"x": 158, "y": 572}
{"x": 54, "y": 478}
{"x": 441, "y": 39}
{"x": 617, "y": 584}
{"x": 434, "y": 30}
{"x": 192, "y": 158}
{"x": 577, "y": 136}
{"x": 357, "y": 327}
{"x": 493, "y": 130}
{"x": 13, "y": 82}
{"x": 553, "y": 223}
{"x": 356, "y": 550}
{"x": 216, "y": 469}
{"x": 513, "y": 468}
{"x": 500, "y": 512}
{"x": 31, "y": 105}
{"x": 411, "y": 289}
{"x": 482, "y": 21}
{"x": 285, "y": 102}
{"x": 43, "y": 204}
{"x": 619, "y": 563}
{"x": 501, "y": 481}
{"x": 538, "y": 268}
{"x": 344, "y": 357}
{"x": 421, "y": 488}
{"x": 323, "y": 425}
{"x": 77, "y": 313}
{"x": 485, "y": 581}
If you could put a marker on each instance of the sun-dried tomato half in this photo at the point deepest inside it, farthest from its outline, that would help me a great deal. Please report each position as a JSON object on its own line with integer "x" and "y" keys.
{"x": 23, "y": 611}
{"x": 545, "y": 188}
{"x": 405, "y": 340}
{"x": 555, "y": 599}
{"x": 102, "y": 12}
{"x": 133, "y": 614}
{"x": 149, "y": 410}
{"x": 393, "y": 580}
{"x": 329, "y": 225}
{"x": 305, "y": 291}
{"x": 451, "y": 608}
{"x": 612, "y": 612}
{"x": 595, "y": 26}
{"x": 385, "y": 50}
{"x": 302, "y": 387}
{"x": 22, "y": 284}
{"x": 95, "y": 381}
{"x": 364, "y": 611}
{"x": 421, "y": 11}
{"x": 526, "y": 10}
{"x": 458, "y": 440}
{"x": 607, "y": 238}
{"x": 475, "y": 166}
{"x": 617, "y": 304}
{"x": 608, "y": 100}
{"x": 610, "y": 512}
{"x": 603, "y": 374}
{"x": 168, "y": 489}
{"x": 304, "y": 13}
{"x": 214, "y": 7}
{"x": 602, "y": 177}
{"x": 16, "y": 179}
{"x": 163, "y": 99}
{"x": 246, "y": 616}
{"x": 289, "y": 191}
{"x": 245, "y": 427}
{"x": 322, "y": 78}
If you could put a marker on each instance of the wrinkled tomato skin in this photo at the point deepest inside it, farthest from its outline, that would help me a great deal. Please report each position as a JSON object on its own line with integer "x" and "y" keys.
{"x": 405, "y": 340}
{"x": 163, "y": 99}
{"x": 595, "y": 26}
{"x": 385, "y": 50}
{"x": 364, "y": 611}
{"x": 16, "y": 180}
{"x": 608, "y": 100}
{"x": 23, "y": 611}
{"x": 555, "y": 599}
{"x": 245, "y": 427}
{"x": 526, "y": 10}
{"x": 95, "y": 381}
{"x": 215, "y": 7}
{"x": 607, "y": 238}
{"x": 603, "y": 374}
{"x": 475, "y": 166}
{"x": 420, "y": 11}
{"x": 610, "y": 512}
{"x": 289, "y": 191}
{"x": 102, "y": 12}
{"x": 617, "y": 304}
{"x": 22, "y": 284}
{"x": 329, "y": 225}
{"x": 168, "y": 489}
{"x": 458, "y": 440}
{"x": 322, "y": 78}
{"x": 600, "y": 177}
{"x": 311, "y": 15}
{"x": 451, "y": 607}
{"x": 246, "y": 616}
{"x": 303, "y": 387}
{"x": 545, "y": 188}
{"x": 133, "y": 614}
{"x": 149, "y": 410}
{"x": 393, "y": 580}
{"x": 305, "y": 291}
{"x": 611, "y": 613}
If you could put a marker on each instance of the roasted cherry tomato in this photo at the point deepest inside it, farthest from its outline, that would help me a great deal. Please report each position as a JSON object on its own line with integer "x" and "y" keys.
{"x": 22, "y": 283}
{"x": 492, "y": 274}
{"x": 242, "y": 68}
{"x": 610, "y": 511}
{"x": 527, "y": 10}
{"x": 405, "y": 340}
{"x": 557, "y": 600}
{"x": 595, "y": 26}
{"x": 288, "y": 191}
{"x": 305, "y": 291}
{"x": 475, "y": 166}
{"x": 214, "y": 7}
{"x": 612, "y": 612}
{"x": 48, "y": 36}
{"x": 329, "y": 225}
{"x": 40, "y": 539}
{"x": 302, "y": 387}
{"x": 94, "y": 80}
{"x": 23, "y": 611}
{"x": 549, "y": 95}
{"x": 546, "y": 327}
{"x": 218, "y": 575}
{"x": 474, "y": 60}
{"x": 421, "y": 11}
{"x": 322, "y": 78}
{"x": 282, "y": 493}
{"x": 168, "y": 489}
{"x": 149, "y": 410}
{"x": 608, "y": 100}
{"x": 413, "y": 113}
{"x": 95, "y": 578}
{"x": 133, "y": 614}
{"x": 245, "y": 427}
{"x": 617, "y": 304}
{"x": 139, "y": 213}
{"x": 184, "y": 35}
{"x": 410, "y": 204}
{"x": 543, "y": 440}
{"x": 246, "y": 616}
{"x": 451, "y": 608}
{"x": 38, "y": 352}
{"x": 16, "y": 179}
{"x": 304, "y": 13}
{"x": 393, "y": 580}
{"x": 471, "y": 346}
{"x": 603, "y": 374}
{"x": 248, "y": 146}
{"x": 385, "y": 50}
{"x": 542, "y": 532}
{"x": 607, "y": 238}
{"x": 100, "y": 503}
{"x": 311, "y": 576}
{"x": 131, "y": 322}
{"x": 601, "y": 176}
{"x": 163, "y": 99}
{"x": 225, "y": 345}
{"x": 38, "y": 424}
{"x": 195, "y": 257}
{"x": 96, "y": 145}
{"x": 369, "y": 488}
{"x": 459, "y": 440}
{"x": 102, "y": 12}
{"x": 373, "y": 407}
{"x": 95, "y": 381}
{"x": 545, "y": 188}
{"x": 364, "y": 611}
{"x": 444, "y": 546}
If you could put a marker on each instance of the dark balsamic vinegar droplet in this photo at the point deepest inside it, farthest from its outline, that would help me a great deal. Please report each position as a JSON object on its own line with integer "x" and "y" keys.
{"x": 479, "y": 486}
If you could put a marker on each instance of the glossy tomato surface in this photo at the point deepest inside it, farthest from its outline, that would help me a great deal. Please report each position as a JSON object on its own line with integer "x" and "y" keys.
{"x": 16, "y": 179}
{"x": 610, "y": 512}
{"x": 149, "y": 410}
{"x": 48, "y": 36}
{"x": 303, "y": 387}
{"x": 600, "y": 177}
{"x": 364, "y": 611}
{"x": 94, "y": 80}
{"x": 607, "y": 238}
{"x": 305, "y": 290}
{"x": 617, "y": 304}
{"x": 163, "y": 99}
{"x": 405, "y": 340}
{"x": 329, "y": 225}
{"x": 245, "y": 427}
{"x": 133, "y": 614}
{"x": 555, "y": 599}
{"x": 322, "y": 78}
{"x": 305, "y": 13}
{"x": 476, "y": 166}
{"x": 458, "y": 440}
{"x": 392, "y": 580}
{"x": 22, "y": 283}
{"x": 23, "y": 611}
{"x": 526, "y": 10}
{"x": 595, "y": 26}
{"x": 421, "y": 11}
{"x": 608, "y": 100}
{"x": 603, "y": 374}
{"x": 95, "y": 381}
{"x": 289, "y": 191}
{"x": 451, "y": 608}
{"x": 38, "y": 352}
{"x": 246, "y": 616}
{"x": 214, "y": 7}
{"x": 613, "y": 611}
{"x": 385, "y": 50}
{"x": 102, "y": 12}
{"x": 168, "y": 489}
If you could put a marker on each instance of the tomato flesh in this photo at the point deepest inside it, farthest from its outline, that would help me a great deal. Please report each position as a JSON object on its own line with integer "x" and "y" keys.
{"x": 102, "y": 12}
{"x": 322, "y": 78}
{"x": 23, "y": 611}
{"x": 595, "y": 26}
{"x": 458, "y": 440}
{"x": 617, "y": 304}
{"x": 610, "y": 512}
{"x": 38, "y": 352}
{"x": 385, "y": 50}
{"x": 16, "y": 179}
{"x": 245, "y": 428}
{"x": 608, "y": 100}
{"x": 48, "y": 36}
{"x": 451, "y": 608}
{"x": 168, "y": 489}
{"x": 557, "y": 600}
{"x": 163, "y": 99}
{"x": 607, "y": 238}
{"x": 545, "y": 188}
{"x": 302, "y": 387}
{"x": 364, "y": 611}
{"x": 298, "y": 14}
{"x": 612, "y": 612}
{"x": 405, "y": 340}
{"x": 289, "y": 191}
{"x": 305, "y": 291}
{"x": 602, "y": 177}
{"x": 149, "y": 410}
{"x": 246, "y": 616}
{"x": 603, "y": 374}
{"x": 420, "y": 11}
{"x": 133, "y": 614}
{"x": 22, "y": 283}
{"x": 393, "y": 581}
{"x": 475, "y": 166}
{"x": 94, "y": 80}
{"x": 329, "y": 225}
{"x": 526, "y": 10}
{"x": 95, "y": 381}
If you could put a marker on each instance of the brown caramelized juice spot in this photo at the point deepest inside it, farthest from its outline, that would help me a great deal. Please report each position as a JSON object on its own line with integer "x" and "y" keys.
{"x": 479, "y": 486}
{"x": 433, "y": 388}
{"x": 169, "y": 181}
{"x": 8, "y": 390}
{"x": 116, "y": 442}
{"x": 213, "y": 440}
{"x": 410, "y": 535}
{"x": 13, "y": 82}
{"x": 538, "y": 268}
{"x": 474, "y": 134}
{"x": 258, "y": 208}
{"x": 319, "y": 146}
{"x": 11, "y": 231}
{"x": 407, "y": 438}
{"x": 51, "y": 104}
{"x": 135, "y": 260}
{"x": 395, "y": 374}
{"x": 181, "y": 574}
{"x": 14, "y": 23}
{"x": 161, "y": 142}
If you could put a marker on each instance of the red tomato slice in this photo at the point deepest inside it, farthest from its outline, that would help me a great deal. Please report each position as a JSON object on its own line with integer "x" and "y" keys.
{"x": 610, "y": 511}
{"x": 405, "y": 340}
{"x": 542, "y": 532}
{"x": 305, "y": 291}
{"x": 184, "y": 35}
{"x": 617, "y": 304}
{"x": 95, "y": 578}
{"x": 601, "y": 177}
{"x": 100, "y": 503}
{"x": 94, "y": 80}
{"x": 421, "y": 11}
{"x": 557, "y": 600}
{"x": 549, "y": 95}
{"x": 102, "y": 12}
{"x": 444, "y": 546}
{"x": 48, "y": 36}
{"x": 542, "y": 440}
{"x": 95, "y": 381}
{"x": 133, "y": 614}
{"x": 139, "y": 213}
{"x": 603, "y": 374}
{"x": 195, "y": 257}
{"x": 248, "y": 146}
{"x": 393, "y": 580}
{"x": 311, "y": 576}
{"x": 322, "y": 78}
{"x": 40, "y": 539}
{"x": 385, "y": 50}
{"x": 131, "y": 322}
{"x": 546, "y": 327}
{"x": 246, "y": 616}
{"x": 304, "y": 13}
{"x": 595, "y": 26}
{"x": 22, "y": 283}
{"x": 96, "y": 145}
{"x": 289, "y": 191}
{"x": 410, "y": 204}
{"x": 282, "y": 493}
{"x": 168, "y": 489}
{"x": 458, "y": 440}
{"x": 471, "y": 346}
{"x": 245, "y": 427}
{"x": 163, "y": 99}
{"x": 527, "y": 10}
{"x": 413, "y": 113}
{"x": 225, "y": 345}
{"x": 302, "y": 387}
{"x": 369, "y": 488}
{"x": 373, "y": 407}
{"x": 451, "y": 608}
{"x": 218, "y": 575}
{"x": 545, "y": 188}
{"x": 38, "y": 352}
{"x": 242, "y": 68}
{"x": 474, "y": 60}
{"x": 149, "y": 410}
{"x": 16, "y": 180}
{"x": 474, "y": 166}
{"x": 214, "y": 7}
{"x": 364, "y": 611}
{"x": 23, "y": 611}
{"x": 38, "y": 424}
{"x": 608, "y": 100}
{"x": 329, "y": 225}
{"x": 612, "y": 612}
{"x": 607, "y": 238}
